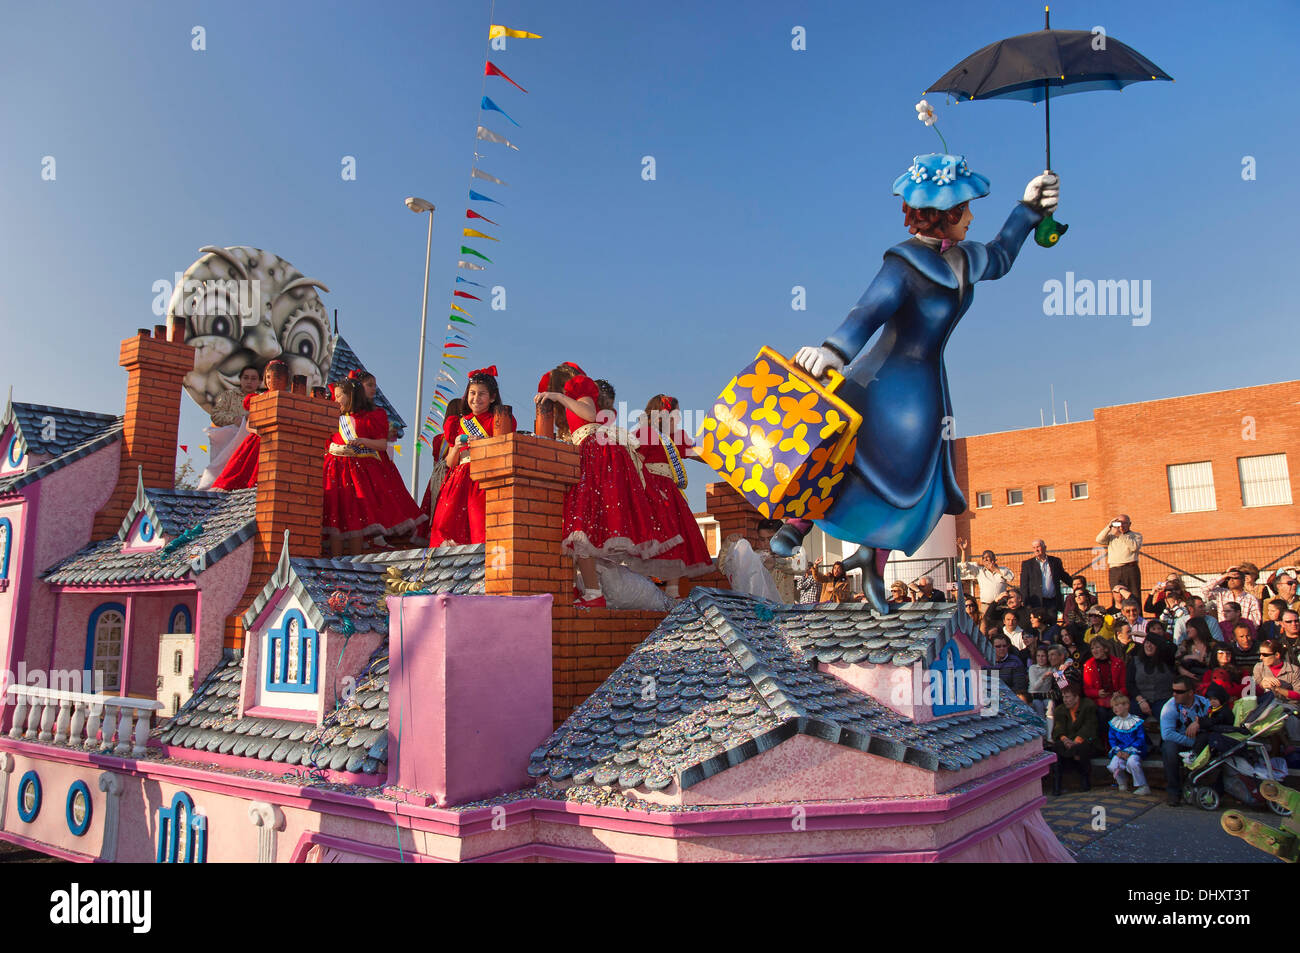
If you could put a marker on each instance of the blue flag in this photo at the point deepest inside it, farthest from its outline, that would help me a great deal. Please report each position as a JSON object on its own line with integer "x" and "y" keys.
{"x": 480, "y": 197}
{"x": 468, "y": 282}
{"x": 488, "y": 104}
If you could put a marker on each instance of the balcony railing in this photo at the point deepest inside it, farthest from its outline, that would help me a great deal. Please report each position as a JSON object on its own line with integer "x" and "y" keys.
{"x": 108, "y": 724}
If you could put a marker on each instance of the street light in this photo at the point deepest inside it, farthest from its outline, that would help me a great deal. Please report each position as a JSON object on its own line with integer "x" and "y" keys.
{"x": 419, "y": 206}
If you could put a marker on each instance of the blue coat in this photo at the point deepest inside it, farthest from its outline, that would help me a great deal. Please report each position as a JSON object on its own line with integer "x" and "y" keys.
{"x": 902, "y": 479}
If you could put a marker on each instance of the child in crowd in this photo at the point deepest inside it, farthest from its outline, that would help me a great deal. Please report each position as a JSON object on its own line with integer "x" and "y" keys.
{"x": 1128, "y": 743}
{"x": 240, "y": 471}
{"x": 363, "y": 497}
{"x": 1043, "y": 622}
{"x": 607, "y": 513}
{"x": 460, "y": 515}
{"x": 663, "y": 447}
{"x": 1040, "y": 680}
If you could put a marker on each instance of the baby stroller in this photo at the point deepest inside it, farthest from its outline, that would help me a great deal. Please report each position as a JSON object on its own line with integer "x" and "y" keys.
{"x": 1245, "y": 764}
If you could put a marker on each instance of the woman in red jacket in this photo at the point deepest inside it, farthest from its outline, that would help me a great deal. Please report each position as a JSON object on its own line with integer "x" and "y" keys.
{"x": 1103, "y": 676}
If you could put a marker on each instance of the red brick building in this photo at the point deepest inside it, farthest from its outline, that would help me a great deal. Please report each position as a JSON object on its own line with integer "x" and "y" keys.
{"x": 1202, "y": 467}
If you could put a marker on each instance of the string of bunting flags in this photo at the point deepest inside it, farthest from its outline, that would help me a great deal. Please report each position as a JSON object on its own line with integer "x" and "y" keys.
{"x": 461, "y": 319}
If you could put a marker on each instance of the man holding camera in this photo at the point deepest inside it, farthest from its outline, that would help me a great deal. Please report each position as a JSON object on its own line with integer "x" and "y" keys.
{"x": 1122, "y": 545}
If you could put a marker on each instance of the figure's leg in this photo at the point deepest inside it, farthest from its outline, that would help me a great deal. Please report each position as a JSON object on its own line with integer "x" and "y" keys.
{"x": 790, "y": 537}
{"x": 871, "y": 562}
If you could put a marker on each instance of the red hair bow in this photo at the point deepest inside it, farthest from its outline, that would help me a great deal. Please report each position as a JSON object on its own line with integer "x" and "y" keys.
{"x": 333, "y": 390}
{"x": 356, "y": 374}
{"x": 666, "y": 402}
{"x": 491, "y": 371}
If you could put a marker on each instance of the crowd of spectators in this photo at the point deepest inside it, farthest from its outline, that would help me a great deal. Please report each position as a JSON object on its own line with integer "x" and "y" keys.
{"x": 1137, "y": 678}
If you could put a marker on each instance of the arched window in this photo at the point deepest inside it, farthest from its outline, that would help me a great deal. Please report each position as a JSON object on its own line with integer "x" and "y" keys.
{"x": 104, "y": 637}
{"x": 178, "y": 662}
{"x": 955, "y": 686}
{"x": 6, "y": 541}
{"x": 182, "y": 834}
{"x": 291, "y": 655}
{"x": 180, "y": 620}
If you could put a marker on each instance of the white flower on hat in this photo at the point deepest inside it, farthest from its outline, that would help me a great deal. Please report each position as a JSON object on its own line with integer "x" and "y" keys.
{"x": 944, "y": 175}
{"x": 963, "y": 169}
{"x": 918, "y": 173}
{"x": 925, "y": 112}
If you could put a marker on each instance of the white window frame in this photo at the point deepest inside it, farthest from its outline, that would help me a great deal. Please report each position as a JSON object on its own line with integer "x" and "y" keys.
{"x": 98, "y": 662}
{"x": 1080, "y": 496}
{"x": 984, "y": 506}
{"x": 1050, "y": 488}
{"x": 1169, "y": 479}
{"x": 1021, "y": 501}
{"x": 1283, "y": 481}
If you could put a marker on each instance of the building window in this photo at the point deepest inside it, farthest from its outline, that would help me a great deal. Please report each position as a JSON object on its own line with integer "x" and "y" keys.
{"x": 1078, "y": 491}
{"x": 176, "y": 702}
{"x": 16, "y": 451}
{"x": 6, "y": 540}
{"x": 291, "y": 655}
{"x": 952, "y": 682}
{"x": 1047, "y": 494}
{"x": 29, "y": 797}
{"x": 1191, "y": 487}
{"x": 983, "y": 501}
{"x": 146, "y": 530}
{"x": 178, "y": 662}
{"x": 180, "y": 620}
{"x": 1264, "y": 480}
{"x": 104, "y": 643}
{"x": 1015, "y": 497}
{"x": 182, "y": 835}
{"x": 77, "y": 809}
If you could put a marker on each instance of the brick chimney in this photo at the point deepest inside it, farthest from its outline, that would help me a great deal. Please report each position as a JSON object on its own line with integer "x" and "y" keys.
{"x": 734, "y": 513}
{"x": 156, "y": 367}
{"x": 295, "y": 429}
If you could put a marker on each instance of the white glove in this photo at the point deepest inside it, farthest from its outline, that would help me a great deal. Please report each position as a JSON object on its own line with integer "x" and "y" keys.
{"x": 1043, "y": 191}
{"x": 818, "y": 360}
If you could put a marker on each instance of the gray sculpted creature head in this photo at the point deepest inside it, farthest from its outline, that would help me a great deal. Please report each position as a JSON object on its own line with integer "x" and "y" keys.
{"x": 246, "y": 306}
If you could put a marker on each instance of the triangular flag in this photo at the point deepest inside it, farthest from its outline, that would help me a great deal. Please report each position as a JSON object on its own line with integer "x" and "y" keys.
{"x": 454, "y": 344}
{"x": 466, "y": 294}
{"x": 184, "y": 449}
{"x": 487, "y": 135}
{"x": 461, "y": 336}
{"x": 456, "y": 357}
{"x": 496, "y": 30}
{"x": 455, "y": 317}
{"x": 470, "y": 265}
{"x": 203, "y": 448}
{"x": 456, "y": 307}
{"x": 398, "y": 448}
{"x": 488, "y": 104}
{"x": 480, "y": 174}
{"x": 491, "y": 69}
{"x": 475, "y": 233}
{"x": 480, "y": 197}
{"x": 466, "y": 250}
{"x": 466, "y": 281}
{"x": 470, "y": 213}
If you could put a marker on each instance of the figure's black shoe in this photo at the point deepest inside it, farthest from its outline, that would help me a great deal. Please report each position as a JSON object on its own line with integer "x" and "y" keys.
{"x": 873, "y": 586}
{"x": 787, "y": 540}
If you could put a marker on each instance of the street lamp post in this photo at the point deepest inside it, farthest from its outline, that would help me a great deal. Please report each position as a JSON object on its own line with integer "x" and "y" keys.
{"x": 420, "y": 206}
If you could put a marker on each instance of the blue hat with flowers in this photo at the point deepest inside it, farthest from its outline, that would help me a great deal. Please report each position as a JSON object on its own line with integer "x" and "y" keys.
{"x": 941, "y": 181}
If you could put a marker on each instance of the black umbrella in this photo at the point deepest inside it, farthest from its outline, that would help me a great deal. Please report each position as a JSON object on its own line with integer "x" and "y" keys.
{"x": 1034, "y": 67}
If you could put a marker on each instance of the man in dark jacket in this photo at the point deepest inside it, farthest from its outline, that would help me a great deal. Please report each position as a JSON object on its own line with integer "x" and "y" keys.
{"x": 1010, "y": 669}
{"x": 1075, "y": 735}
{"x": 1041, "y": 579}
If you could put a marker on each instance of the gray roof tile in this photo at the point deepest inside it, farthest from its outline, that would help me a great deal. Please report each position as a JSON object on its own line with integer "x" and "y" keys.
{"x": 75, "y": 434}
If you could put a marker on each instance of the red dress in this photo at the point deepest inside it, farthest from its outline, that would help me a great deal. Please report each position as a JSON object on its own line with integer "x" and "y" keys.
{"x": 607, "y": 514}
{"x": 460, "y": 514}
{"x": 430, "y": 503}
{"x": 364, "y": 493}
{"x": 670, "y": 504}
{"x": 240, "y": 471}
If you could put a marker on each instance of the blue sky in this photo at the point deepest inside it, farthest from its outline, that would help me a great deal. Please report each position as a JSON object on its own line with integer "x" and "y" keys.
{"x": 773, "y": 170}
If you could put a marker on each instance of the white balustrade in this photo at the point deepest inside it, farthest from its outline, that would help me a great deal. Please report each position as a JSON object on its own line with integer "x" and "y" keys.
{"x": 106, "y": 723}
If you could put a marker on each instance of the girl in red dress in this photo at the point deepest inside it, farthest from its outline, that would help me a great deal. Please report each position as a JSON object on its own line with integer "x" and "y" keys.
{"x": 438, "y": 479}
{"x": 460, "y": 515}
{"x": 607, "y": 514}
{"x": 663, "y": 447}
{"x": 240, "y": 471}
{"x": 363, "y": 497}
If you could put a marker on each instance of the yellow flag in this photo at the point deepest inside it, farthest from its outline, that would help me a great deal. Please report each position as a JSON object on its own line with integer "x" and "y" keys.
{"x": 457, "y": 307}
{"x": 474, "y": 233}
{"x": 398, "y": 448}
{"x": 455, "y": 357}
{"x": 496, "y": 30}
{"x": 203, "y": 448}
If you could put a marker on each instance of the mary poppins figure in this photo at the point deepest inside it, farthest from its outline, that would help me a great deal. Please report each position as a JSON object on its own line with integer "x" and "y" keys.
{"x": 901, "y": 481}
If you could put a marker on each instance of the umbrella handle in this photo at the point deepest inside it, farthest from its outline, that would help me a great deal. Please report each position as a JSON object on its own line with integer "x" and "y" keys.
{"x": 1049, "y": 231}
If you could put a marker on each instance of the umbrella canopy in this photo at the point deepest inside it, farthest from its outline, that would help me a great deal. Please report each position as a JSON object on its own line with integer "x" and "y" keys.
{"x": 1026, "y": 67}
